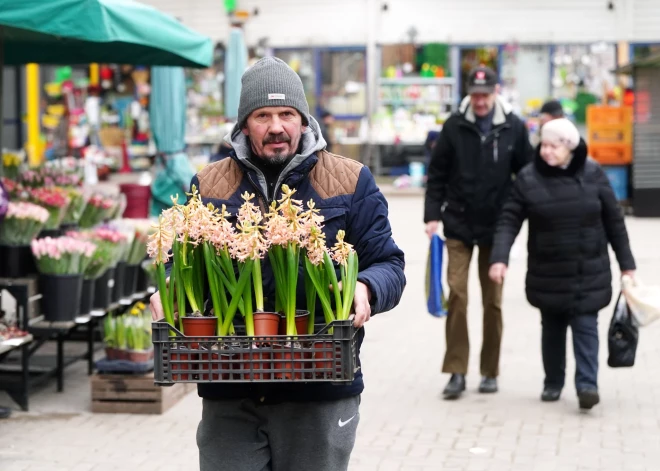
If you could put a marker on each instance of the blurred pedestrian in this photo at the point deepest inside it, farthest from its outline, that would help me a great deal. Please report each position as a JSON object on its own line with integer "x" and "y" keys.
{"x": 326, "y": 123}
{"x": 550, "y": 110}
{"x": 573, "y": 214}
{"x": 469, "y": 178}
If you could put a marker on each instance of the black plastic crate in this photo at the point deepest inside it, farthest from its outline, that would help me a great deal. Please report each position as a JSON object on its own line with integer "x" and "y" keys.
{"x": 327, "y": 356}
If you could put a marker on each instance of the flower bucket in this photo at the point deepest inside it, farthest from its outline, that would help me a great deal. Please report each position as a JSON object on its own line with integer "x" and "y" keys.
{"x": 52, "y": 233}
{"x": 139, "y": 197}
{"x": 103, "y": 290}
{"x": 118, "y": 286}
{"x": 61, "y": 296}
{"x": 130, "y": 280}
{"x": 142, "y": 280}
{"x": 87, "y": 296}
{"x": 16, "y": 261}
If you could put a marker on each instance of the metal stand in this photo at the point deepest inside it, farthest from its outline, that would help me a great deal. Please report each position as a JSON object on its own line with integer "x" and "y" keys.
{"x": 19, "y": 381}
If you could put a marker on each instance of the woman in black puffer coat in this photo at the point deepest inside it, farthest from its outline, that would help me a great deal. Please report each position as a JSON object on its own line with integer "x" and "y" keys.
{"x": 573, "y": 214}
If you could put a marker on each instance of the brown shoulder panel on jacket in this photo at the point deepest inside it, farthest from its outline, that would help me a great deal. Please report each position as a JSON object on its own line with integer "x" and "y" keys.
{"x": 334, "y": 175}
{"x": 220, "y": 179}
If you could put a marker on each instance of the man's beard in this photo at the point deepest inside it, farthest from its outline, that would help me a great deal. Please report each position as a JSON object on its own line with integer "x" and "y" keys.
{"x": 280, "y": 156}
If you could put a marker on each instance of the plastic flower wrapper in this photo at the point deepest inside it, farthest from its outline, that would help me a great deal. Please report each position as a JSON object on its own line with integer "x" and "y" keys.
{"x": 22, "y": 223}
{"x": 62, "y": 255}
{"x": 116, "y": 242}
{"x": 76, "y": 206}
{"x": 54, "y": 200}
{"x": 104, "y": 256}
{"x": 141, "y": 228}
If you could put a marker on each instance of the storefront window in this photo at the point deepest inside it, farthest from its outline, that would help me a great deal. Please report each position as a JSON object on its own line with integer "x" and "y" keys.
{"x": 344, "y": 82}
{"x": 302, "y": 61}
{"x": 582, "y": 75}
{"x": 471, "y": 57}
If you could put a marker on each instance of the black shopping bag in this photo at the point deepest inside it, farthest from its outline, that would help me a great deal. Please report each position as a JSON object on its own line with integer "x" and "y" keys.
{"x": 622, "y": 337}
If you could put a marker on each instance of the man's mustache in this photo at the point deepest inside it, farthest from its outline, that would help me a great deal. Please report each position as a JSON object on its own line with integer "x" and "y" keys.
{"x": 276, "y": 139}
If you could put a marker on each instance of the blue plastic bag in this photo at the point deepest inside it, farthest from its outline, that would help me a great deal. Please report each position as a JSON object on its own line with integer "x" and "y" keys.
{"x": 436, "y": 302}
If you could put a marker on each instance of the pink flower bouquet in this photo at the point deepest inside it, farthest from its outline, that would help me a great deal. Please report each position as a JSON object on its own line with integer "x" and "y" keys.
{"x": 54, "y": 200}
{"x": 22, "y": 223}
{"x": 62, "y": 255}
{"x": 97, "y": 210}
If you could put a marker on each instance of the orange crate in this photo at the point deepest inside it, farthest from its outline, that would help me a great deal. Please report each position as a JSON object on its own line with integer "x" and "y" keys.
{"x": 609, "y": 135}
{"x": 598, "y": 115}
{"x": 611, "y": 154}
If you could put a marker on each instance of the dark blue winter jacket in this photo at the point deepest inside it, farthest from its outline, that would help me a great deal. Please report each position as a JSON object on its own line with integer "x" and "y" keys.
{"x": 346, "y": 194}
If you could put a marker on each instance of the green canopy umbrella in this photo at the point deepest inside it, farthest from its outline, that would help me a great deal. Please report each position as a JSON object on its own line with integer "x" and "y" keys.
{"x": 84, "y": 31}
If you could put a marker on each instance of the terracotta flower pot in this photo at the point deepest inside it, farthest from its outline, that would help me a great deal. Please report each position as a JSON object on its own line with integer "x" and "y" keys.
{"x": 199, "y": 327}
{"x": 180, "y": 362}
{"x": 137, "y": 356}
{"x": 266, "y": 323}
{"x": 302, "y": 321}
{"x": 288, "y": 361}
{"x": 254, "y": 365}
{"x": 206, "y": 366}
{"x": 323, "y": 356}
{"x": 111, "y": 353}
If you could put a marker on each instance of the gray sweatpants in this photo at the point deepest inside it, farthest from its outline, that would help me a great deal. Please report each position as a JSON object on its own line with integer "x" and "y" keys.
{"x": 247, "y": 436}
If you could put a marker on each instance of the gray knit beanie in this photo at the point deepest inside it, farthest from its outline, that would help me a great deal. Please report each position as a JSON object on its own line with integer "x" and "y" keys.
{"x": 271, "y": 82}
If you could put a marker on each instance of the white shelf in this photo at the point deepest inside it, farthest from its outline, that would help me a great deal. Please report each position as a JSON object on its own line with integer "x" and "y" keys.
{"x": 10, "y": 344}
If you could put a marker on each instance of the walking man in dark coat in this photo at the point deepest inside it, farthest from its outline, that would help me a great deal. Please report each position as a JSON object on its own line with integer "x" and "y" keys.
{"x": 479, "y": 149}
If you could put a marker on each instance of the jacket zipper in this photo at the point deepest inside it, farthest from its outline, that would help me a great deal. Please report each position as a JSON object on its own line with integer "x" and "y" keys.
{"x": 263, "y": 199}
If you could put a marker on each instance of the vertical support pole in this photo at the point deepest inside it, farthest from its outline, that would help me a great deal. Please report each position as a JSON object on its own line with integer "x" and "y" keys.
{"x": 93, "y": 74}
{"x": 32, "y": 101}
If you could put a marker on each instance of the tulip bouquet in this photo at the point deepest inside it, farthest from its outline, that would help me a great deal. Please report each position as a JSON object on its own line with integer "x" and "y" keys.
{"x": 13, "y": 187}
{"x": 109, "y": 245}
{"x": 22, "y": 223}
{"x": 98, "y": 208}
{"x": 32, "y": 179}
{"x": 62, "y": 255}
{"x": 11, "y": 164}
{"x": 54, "y": 201}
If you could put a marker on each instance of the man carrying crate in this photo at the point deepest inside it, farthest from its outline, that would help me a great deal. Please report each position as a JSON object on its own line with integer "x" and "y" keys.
{"x": 291, "y": 426}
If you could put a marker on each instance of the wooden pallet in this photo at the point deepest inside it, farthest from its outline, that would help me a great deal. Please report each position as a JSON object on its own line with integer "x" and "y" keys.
{"x": 134, "y": 394}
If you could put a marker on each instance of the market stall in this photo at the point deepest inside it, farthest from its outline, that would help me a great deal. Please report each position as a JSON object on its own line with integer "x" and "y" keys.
{"x": 646, "y": 134}
{"x": 75, "y": 31}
